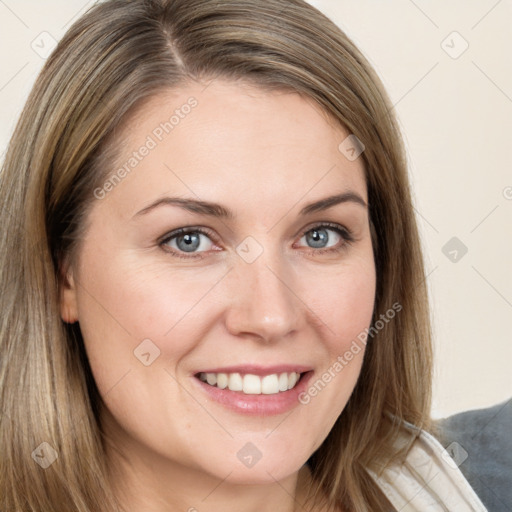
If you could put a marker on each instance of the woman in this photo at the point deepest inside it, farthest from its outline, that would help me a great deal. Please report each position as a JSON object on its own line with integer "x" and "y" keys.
{"x": 219, "y": 299}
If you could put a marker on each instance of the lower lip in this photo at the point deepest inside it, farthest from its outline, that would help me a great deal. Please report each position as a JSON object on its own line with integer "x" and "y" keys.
{"x": 257, "y": 405}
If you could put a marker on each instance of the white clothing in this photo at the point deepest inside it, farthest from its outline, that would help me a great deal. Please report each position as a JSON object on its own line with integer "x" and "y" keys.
{"x": 428, "y": 481}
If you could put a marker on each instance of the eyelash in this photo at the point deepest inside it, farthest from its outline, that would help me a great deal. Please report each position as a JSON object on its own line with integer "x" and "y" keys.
{"x": 345, "y": 234}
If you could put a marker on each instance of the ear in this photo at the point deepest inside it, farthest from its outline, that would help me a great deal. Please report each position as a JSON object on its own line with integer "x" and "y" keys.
{"x": 67, "y": 295}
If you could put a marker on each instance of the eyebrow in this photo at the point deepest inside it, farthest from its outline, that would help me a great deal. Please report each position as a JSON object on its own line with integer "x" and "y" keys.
{"x": 217, "y": 210}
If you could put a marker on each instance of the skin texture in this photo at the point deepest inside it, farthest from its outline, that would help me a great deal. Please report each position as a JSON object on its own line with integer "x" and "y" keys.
{"x": 263, "y": 155}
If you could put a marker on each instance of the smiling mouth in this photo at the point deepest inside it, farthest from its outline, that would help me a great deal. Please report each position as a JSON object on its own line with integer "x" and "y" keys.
{"x": 250, "y": 384}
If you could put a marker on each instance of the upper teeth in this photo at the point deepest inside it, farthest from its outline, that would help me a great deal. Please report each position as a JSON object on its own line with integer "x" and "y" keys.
{"x": 252, "y": 384}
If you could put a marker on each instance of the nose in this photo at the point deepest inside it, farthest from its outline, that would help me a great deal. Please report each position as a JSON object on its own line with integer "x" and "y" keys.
{"x": 264, "y": 302}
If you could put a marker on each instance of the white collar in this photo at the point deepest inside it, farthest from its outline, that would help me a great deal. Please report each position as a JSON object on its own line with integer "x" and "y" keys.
{"x": 428, "y": 480}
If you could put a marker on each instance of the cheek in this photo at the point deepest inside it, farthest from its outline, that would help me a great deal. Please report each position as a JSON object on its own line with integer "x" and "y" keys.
{"x": 124, "y": 303}
{"x": 343, "y": 300}
{"x": 345, "y": 305}
{"x": 139, "y": 323}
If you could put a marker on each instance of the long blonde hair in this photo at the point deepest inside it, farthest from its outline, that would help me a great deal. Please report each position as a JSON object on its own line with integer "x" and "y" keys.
{"x": 119, "y": 54}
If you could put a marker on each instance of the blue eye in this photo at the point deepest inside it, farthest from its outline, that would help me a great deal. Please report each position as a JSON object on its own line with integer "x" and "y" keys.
{"x": 192, "y": 242}
{"x": 319, "y": 237}
{"x": 187, "y": 240}
{"x": 321, "y": 242}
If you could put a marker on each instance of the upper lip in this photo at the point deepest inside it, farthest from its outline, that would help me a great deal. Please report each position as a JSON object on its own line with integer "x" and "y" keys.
{"x": 254, "y": 369}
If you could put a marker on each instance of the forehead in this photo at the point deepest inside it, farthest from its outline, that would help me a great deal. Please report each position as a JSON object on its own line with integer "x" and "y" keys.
{"x": 235, "y": 142}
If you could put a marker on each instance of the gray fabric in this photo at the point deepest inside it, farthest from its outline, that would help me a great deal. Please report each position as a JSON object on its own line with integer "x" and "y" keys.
{"x": 480, "y": 441}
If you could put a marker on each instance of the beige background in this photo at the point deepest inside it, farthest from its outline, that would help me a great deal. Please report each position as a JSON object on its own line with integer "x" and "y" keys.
{"x": 455, "y": 109}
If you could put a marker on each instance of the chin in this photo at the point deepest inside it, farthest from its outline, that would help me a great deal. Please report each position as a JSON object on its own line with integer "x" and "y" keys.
{"x": 253, "y": 467}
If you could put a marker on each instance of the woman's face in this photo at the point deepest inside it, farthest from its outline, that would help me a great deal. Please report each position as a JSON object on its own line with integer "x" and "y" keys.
{"x": 270, "y": 279}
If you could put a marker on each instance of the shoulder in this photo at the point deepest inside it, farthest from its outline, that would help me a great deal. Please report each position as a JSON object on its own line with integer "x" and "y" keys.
{"x": 482, "y": 439}
{"x": 427, "y": 479}
{"x": 485, "y": 423}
